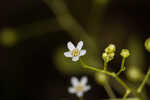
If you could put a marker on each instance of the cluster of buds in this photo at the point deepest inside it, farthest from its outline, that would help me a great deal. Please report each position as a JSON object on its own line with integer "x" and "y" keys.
{"x": 109, "y": 53}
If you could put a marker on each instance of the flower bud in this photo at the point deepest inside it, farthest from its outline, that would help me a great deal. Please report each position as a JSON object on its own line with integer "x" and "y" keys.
{"x": 125, "y": 53}
{"x": 147, "y": 44}
{"x": 111, "y": 55}
{"x": 111, "y": 48}
{"x": 105, "y": 57}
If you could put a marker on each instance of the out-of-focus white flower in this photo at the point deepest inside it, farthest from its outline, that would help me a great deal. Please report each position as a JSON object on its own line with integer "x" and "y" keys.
{"x": 79, "y": 87}
{"x": 75, "y": 52}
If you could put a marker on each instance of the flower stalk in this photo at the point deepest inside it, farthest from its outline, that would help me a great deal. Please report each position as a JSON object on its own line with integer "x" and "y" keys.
{"x": 144, "y": 82}
{"x": 122, "y": 67}
{"x": 105, "y": 65}
{"x": 126, "y": 95}
{"x": 112, "y": 74}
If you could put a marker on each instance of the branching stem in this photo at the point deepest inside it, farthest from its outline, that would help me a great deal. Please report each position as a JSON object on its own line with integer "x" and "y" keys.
{"x": 112, "y": 74}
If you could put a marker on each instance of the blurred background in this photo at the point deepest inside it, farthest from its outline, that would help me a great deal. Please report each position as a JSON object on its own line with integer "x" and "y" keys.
{"x": 33, "y": 38}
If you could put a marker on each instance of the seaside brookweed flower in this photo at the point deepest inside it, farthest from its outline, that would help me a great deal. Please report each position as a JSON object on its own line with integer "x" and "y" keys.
{"x": 79, "y": 87}
{"x": 75, "y": 52}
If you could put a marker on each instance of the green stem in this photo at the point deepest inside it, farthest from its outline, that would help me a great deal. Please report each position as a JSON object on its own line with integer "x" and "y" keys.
{"x": 109, "y": 90}
{"x": 144, "y": 81}
{"x": 105, "y": 65}
{"x": 126, "y": 95}
{"x": 123, "y": 62}
{"x": 105, "y": 72}
{"x": 122, "y": 66}
{"x": 112, "y": 74}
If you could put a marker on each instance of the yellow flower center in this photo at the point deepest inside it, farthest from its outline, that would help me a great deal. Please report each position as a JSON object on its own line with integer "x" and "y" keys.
{"x": 75, "y": 52}
{"x": 79, "y": 88}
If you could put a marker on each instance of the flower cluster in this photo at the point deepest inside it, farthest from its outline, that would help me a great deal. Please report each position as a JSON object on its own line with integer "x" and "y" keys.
{"x": 109, "y": 53}
{"x": 79, "y": 87}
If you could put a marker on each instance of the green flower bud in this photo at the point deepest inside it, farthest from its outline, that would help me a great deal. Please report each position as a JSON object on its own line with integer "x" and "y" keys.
{"x": 105, "y": 57}
{"x": 111, "y": 48}
{"x": 108, "y": 56}
{"x": 111, "y": 55}
{"x": 147, "y": 44}
{"x": 125, "y": 53}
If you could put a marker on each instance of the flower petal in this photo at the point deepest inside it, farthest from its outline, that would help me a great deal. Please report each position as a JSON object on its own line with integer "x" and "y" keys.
{"x": 82, "y": 52}
{"x": 70, "y": 46}
{"x": 86, "y": 88}
{"x": 74, "y": 81}
{"x": 68, "y": 54}
{"x": 80, "y": 94}
{"x": 76, "y": 58}
{"x": 71, "y": 90}
{"x": 79, "y": 45}
{"x": 84, "y": 80}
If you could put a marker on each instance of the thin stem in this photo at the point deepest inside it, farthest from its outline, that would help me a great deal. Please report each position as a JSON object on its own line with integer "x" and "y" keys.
{"x": 126, "y": 95}
{"x": 109, "y": 90}
{"x": 144, "y": 81}
{"x": 122, "y": 66}
{"x": 105, "y": 72}
{"x": 118, "y": 73}
{"x": 105, "y": 65}
{"x": 129, "y": 90}
{"x": 123, "y": 62}
{"x": 122, "y": 82}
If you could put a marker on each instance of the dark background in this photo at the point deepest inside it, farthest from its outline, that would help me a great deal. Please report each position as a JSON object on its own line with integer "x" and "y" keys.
{"x": 27, "y": 70}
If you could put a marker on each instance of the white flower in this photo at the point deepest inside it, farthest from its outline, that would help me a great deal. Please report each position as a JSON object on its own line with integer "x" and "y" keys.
{"x": 79, "y": 87}
{"x": 75, "y": 52}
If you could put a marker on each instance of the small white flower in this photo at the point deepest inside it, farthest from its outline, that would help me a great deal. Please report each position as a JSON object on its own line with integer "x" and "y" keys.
{"x": 79, "y": 87}
{"x": 75, "y": 52}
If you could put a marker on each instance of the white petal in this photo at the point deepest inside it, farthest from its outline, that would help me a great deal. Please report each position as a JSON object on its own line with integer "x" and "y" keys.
{"x": 71, "y": 90}
{"x": 74, "y": 81}
{"x": 80, "y": 94}
{"x": 70, "y": 46}
{"x": 84, "y": 80}
{"x": 68, "y": 54}
{"x": 79, "y": 45}
{"x": 82, "y": 52}
{"x": 76, "y": 58}
{"x": 86, "y": 88}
